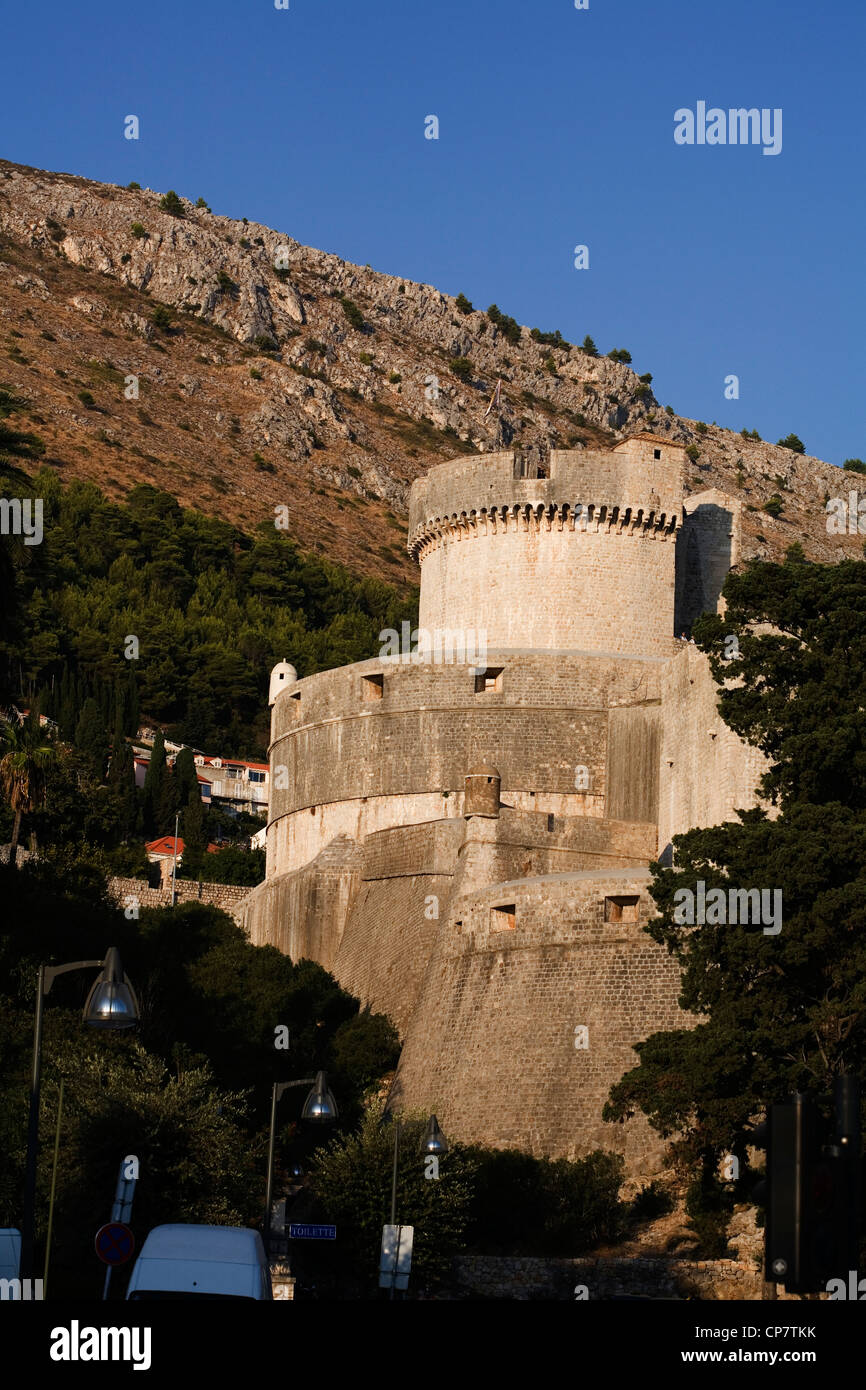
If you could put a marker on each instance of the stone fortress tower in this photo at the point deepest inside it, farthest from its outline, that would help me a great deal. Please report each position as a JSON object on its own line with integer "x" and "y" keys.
{"x": 464, "y": 838}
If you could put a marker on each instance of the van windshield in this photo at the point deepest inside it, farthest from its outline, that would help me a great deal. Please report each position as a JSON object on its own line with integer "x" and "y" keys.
{"x": 145, "y": 1295}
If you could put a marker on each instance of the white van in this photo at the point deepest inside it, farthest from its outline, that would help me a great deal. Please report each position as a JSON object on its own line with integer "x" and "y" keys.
{"x": 201, "y": 1262}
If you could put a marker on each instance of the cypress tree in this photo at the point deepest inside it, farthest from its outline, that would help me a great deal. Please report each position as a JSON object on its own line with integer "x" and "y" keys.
{"x": 156, "y": 775}
{"x": 91, "y": 737}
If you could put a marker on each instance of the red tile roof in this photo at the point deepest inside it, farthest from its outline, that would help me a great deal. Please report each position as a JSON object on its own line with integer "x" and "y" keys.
{"x": 165, "y": 845}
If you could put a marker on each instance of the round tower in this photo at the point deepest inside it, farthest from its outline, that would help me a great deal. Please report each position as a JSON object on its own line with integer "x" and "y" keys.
{"x": 580, "y": 556}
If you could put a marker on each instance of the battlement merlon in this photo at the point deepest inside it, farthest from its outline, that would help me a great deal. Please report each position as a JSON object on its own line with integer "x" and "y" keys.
{"x": 642, "y": 474}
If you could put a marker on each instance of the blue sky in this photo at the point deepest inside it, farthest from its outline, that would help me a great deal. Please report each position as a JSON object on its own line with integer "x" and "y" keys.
{"x": 555, "y": 129}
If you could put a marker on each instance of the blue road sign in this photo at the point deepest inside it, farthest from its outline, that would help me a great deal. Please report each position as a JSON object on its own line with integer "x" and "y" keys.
{"x": 114, "y": 1243}
{"x": 301, "y": 1232}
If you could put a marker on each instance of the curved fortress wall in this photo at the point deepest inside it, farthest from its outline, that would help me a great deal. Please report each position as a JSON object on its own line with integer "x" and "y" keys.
{"x": 380, "y": 744}
{"x": 582, "y": 559}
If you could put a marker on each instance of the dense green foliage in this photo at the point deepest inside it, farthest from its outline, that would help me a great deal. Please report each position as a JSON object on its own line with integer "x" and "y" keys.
{"x": 188, "y": 1093}
{"x": 486, "y": 1200}
{"x": 213, "y": 610}
{"x": 782, "y": 1010}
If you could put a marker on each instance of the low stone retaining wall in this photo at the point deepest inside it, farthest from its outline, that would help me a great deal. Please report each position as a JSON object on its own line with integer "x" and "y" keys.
{"x": 228, "y": 896}
{"x": 524, "y": 1278}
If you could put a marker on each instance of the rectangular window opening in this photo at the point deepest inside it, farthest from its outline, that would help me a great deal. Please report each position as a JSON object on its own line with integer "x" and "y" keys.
{"x": 657, "y": 453}
{"x": 551, "y": 821}
{"x": 372, "y": 687}
{"x": 491, "y": 679}
{"x": 503, "y": 918}
{"x": 621, "y": 909}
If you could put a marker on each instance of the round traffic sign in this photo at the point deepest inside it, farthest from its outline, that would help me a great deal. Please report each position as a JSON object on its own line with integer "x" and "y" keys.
{"x": 114, "y": 1243}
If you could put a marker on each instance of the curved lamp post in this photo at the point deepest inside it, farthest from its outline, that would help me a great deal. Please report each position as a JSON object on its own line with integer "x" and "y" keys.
{"x": 434, "y": 1142}
{"x": 111, "y": 1005}
{"x": 320, "y": 1107}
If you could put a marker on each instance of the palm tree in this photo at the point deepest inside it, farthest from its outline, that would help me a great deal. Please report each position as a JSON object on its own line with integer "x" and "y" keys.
{"x": 23, "y": 769}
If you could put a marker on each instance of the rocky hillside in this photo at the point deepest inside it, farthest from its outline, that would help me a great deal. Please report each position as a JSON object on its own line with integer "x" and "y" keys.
{"x": 273, "y": 375}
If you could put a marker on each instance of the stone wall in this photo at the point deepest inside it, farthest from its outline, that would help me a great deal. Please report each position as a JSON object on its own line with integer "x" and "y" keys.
{"x": 530, "y": 1278}
{"x": 127, "y": 892}
{"x": 707, "y": 772}
{"x": 491, "y": 1047}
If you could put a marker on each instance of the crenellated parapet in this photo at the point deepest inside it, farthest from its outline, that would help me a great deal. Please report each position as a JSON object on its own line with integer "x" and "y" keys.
{"x": 539, "y": 517}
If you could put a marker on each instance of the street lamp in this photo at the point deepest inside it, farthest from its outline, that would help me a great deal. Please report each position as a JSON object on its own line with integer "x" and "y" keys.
{"x": 320, "y": 1107}
{"x": 111, "y": 1005}
{"x": 434, "y": 1143}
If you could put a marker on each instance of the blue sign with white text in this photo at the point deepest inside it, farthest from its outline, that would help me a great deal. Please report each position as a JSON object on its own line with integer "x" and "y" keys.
{"x": 300, "y": 1232}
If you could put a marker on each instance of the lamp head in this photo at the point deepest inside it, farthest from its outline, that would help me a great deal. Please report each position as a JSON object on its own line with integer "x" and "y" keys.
{"x": 111, "y": 1003}
{"x": 320, "y": 1106}
{"x": 434, "y": 1140}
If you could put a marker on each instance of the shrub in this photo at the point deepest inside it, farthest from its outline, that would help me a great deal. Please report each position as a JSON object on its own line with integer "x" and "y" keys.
{"x": 401, "y": 289}
{"x": 463, "y": 304}
{"x": 650, "y": 1202}
{"x": 313, "y": 345}
{"x": 750, "y": 434}
{"x": 550, "y": 365}
{"x": 774, "y": 506}
{"x": 854, "y": 465}
{"x": 353, "y": 313}
{"x": 669, "y": 410}
{"x": 693, "y": 452}
{"x": 139, "y": 231}
{"x": 541, "y": 1206}
{"x": 461, "y": 367}
{"x": 161, "y": 318}
{"x": 226, "y": 283}
{"x": 589, "y": 347}
{"x": 170, "y": 203}
{"x": 265, "y": 342}
{"x": 353, "y": 472}
{"x": 792, "y": 442}
{"x": 256, "y": 374}
{"x": 54, "y": 229}
{"x": 365, "y": 358}
{"x": 508, "y": 327}
{"x": 646, "y": 378}
{"x": 125, "y": 258}
{"x": 263, "y": 465}
{"x": 620, "y": 355}
{"x": 394, "y": 377}
{"x": 200, "y": 203}
{"x": 554, "y": 339}
{"x": 134, "y": 187}
{"x": 701, "y": 427}
{"x": 641, "y": 390}
{"x": 87, "y": 399}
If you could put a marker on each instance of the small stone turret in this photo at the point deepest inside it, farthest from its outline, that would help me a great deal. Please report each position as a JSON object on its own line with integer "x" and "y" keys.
{"x": 481, "y": 796}
{"x": 282, "y": 676}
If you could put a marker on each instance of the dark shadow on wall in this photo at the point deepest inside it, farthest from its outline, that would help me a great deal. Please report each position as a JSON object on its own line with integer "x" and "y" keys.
{"x": 705, "y": 546}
